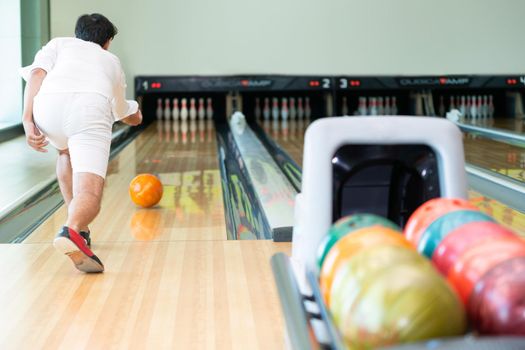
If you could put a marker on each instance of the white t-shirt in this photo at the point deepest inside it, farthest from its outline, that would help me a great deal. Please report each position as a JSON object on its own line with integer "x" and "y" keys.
{"x": 75, "y": 65}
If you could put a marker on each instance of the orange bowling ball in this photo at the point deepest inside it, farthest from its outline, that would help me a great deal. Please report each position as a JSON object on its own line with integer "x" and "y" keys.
{"x": 145, "y": 190}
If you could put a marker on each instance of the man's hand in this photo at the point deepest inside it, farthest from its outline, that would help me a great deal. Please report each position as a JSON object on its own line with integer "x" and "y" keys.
{"x": 134, "y": 119}
{"x": 35, "y": 139}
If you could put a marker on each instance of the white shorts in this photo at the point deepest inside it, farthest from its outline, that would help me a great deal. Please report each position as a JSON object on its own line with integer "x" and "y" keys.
{"x": 80, "y": 122}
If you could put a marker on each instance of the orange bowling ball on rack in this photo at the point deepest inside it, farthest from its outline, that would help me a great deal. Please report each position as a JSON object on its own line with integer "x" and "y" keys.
{"x": 145, "y": 190}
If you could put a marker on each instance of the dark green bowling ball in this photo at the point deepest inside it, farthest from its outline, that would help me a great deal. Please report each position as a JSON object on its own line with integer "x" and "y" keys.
{"x": 346, "y": 225}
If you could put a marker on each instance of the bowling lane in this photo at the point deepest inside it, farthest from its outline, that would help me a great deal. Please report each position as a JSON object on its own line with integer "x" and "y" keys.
{"x": 504, "y": 158}
{"x": 288, "y": 134}
{"x": 516, "y": 125}
{"x": 184, "y": 155}
{"x": 500, "y": 157}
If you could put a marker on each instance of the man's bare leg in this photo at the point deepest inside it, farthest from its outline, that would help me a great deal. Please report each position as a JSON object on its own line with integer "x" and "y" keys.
{"x": 65, "y": 178}
{"x": 82, "y": 210}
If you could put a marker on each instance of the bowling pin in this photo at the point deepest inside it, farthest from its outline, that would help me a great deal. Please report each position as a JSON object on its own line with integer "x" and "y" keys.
{"x": 491, "y": 107}
{"x": 175, "y": 110}
{"x": 284, "y": 108}
{"x": 452, "y": 105}
{"x": 266, "y": 109}
{"x": 480, "y": 107}
{"x": 344, "y": 107}
{"x": 209, "y": 108}
{"x": 275, "y": 108}
{"x": 393, "y": 109}
{"x": 467, "y": 107}
{"x": 201, "y": 111}
{"x": 257, "y": 110}
{"x": 474, "y": 108}
{"x": 380, "y": 109}
{"x": 292, "y": 111}
{"x": 387, "y": 110}
{"x": 300, "y": 109}
{"x": 307, "y": 109}
{"x": 361, "y": 109}
{"x": 183, "y": 109}
{"x": 160, "y": 110}
{"x": 167, "y": 109}
{"x": 485, "y": 106}
{"x": 462, "y": 105}
{"x": 193, "y": 110}
{"x": 372, "y": 109}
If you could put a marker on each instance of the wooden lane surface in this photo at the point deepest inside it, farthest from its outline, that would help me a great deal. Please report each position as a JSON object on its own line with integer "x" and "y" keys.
{"x": 153, "y": 295}
{"x": 497, "y": 156}
{"x": 516, "y": 125}
{"x": 191, "y": 207}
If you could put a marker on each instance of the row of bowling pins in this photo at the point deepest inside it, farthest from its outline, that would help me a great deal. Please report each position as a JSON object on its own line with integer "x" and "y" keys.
{"x": 470, "y": 106}
{"x": 287, "y": 109}
{"x": 179, "y": 130}
{"x": 372, "y": 106}
{"x": 169, "y": 111}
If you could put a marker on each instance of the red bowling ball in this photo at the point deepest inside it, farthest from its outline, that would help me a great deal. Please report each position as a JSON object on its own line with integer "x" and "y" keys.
{"x": 430, "y": 211}
{"x": 463, "y": 238}
{"x": 476, "y": 261}
{"x": 497, "y": 304}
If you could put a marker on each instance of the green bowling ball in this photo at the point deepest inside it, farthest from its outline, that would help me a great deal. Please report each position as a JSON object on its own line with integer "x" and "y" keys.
{"x": 363, "y": 267}
{"x": 441, "y": 227}
{"x": 346, "y": 225}
{"x": 403, "y": 303}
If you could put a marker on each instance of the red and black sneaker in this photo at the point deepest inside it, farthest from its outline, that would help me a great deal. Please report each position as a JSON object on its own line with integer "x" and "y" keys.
{"x": 74, "y": 245}
{"x": 85, "y": 235}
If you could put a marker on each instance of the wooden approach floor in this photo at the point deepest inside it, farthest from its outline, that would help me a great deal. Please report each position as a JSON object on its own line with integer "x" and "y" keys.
{"x": 172, "y": 280}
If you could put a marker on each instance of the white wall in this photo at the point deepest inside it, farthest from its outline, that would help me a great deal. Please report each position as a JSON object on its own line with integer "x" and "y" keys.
{"x": 369, "y": 37}
{"x": 10, "y": 61}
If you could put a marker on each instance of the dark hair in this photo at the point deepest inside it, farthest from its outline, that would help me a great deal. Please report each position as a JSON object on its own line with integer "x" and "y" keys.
{"x": 95, "y": 28}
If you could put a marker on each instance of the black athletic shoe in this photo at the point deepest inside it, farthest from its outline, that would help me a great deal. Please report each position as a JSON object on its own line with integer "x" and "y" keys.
{"x": 74, "y": 246}
{"x": 85, "y": 235}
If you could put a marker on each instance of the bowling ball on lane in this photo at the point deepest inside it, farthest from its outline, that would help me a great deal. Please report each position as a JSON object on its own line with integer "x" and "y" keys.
{"x": 497, "y": 304}
{"x": 403, "y": 303}
{"x": 145, "y": 190}
{"x": 463, "y": 238}
{"x": 430, "y": 211}
{"x": 346, "y": 225}
{"x": 366, "y": 264}
{"x": 442, "y": 226}
{"x": 479, "y": 259}
{"x": 349, "y": 245}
